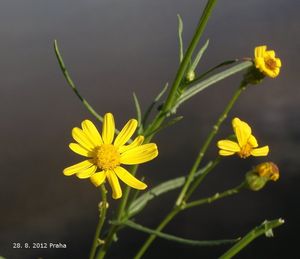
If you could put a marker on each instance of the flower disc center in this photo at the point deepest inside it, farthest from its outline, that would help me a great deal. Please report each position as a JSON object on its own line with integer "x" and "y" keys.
{"x": 108, "y": 157}
{"x": 245, "y": 151}
{"x": 271, "y": 63}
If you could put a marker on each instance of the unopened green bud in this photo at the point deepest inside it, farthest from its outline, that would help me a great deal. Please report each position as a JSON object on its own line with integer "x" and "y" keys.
{"x": 254, "y": 181}
{"x": 190, "y": 76}
{"x": 258, "y": 177}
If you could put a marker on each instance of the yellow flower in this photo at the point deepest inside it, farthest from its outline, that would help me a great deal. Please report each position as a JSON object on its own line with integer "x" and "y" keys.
{"x": 105, "y": 155}
{"x": 268, "y": 170}
{"x": 266, "y": 62}
{"x": 246, "y": 144}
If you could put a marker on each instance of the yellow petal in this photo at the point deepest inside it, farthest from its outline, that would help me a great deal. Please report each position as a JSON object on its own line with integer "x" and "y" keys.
{"x": 271, "y": 53}
{"x": 136, "y": 142}
{"x": 129, "y": 179}
{"x": 91, "y": 132}
{"x": 78, "y": 149}
{"x": 86, "y": 173}
{"x": 126, "y": 133}
{"x": 260, "y": 51}
{"x": 98, "y": 178}
{"x": 228, "y": 145}
{"x": 225, "y": 153}
{"x": 82, "y": 139}
{"x": 139, "y": 155}
{"x": 114, "y": 184}
{"x": 108, "y": 128}
{"x": 242, "y": 131}
{"x": 252, "y": 141}
{"x": 278, "y": 62}
{"x": 262, "y": 151}
{"x": 77, "y": 167}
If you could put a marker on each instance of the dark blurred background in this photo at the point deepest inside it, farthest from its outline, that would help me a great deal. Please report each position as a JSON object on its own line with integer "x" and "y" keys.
{"x": 113, "y": 48}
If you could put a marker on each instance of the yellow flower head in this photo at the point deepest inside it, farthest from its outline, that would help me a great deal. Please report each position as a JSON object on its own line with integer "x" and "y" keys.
{"x": 105, "y": 155}
{"x": 266, "y": 62}
{"x": 268, "y": 170}
{"x": 246, "y": 144}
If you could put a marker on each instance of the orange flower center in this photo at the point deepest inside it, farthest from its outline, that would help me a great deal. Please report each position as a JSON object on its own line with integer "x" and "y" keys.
{"x": 271, "y": 63}
{"x": 245, "y": 151}
{"x": 107, "y": 157}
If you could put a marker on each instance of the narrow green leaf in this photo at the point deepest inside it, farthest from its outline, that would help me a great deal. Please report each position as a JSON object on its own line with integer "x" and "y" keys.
{"x": 71, "y": 83}
{"x": 195, "y": 89}
{"x": 74, "y": 88}
{"x": 162, "y": 188}
{"x": 157, "y": 98}
{"x": 138, "y": 109}
{"x": 264, "y": 228}
{"x": 173, "y": 238}
{"x": 199, "y": 56}
{"x": 225, "y": 63}
{"x": 180, "y": 30}
{"x": 165, "y": 125}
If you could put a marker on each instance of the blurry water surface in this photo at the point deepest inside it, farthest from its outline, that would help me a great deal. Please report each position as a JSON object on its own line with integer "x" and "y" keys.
{"x": 113, "y": 48}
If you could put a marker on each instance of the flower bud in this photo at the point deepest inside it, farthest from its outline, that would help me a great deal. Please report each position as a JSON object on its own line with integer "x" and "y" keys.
{"x": 268, "y": 170}
{"x": 257, "y": 178}
{"x": 190, "y": 76}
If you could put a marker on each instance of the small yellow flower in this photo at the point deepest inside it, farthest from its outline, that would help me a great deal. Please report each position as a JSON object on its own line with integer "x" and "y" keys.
{"x": 105, "y": 155}
{"x": 246, "y": 144}
{"x": 266, "y": 62}
{"x": 268, "y": 170}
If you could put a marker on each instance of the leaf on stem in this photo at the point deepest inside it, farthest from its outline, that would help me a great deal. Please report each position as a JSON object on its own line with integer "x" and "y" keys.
{"x": 138, "y": 111}
{"x": 264, "y": 228}
{"x": 165, "y": 125}
{"x": 173, "y": 238}
{"x": 195, "y": 89}
{"x": 138, "y": 204}
{"x": 157, "y": 98}
{"x": 199, "y": 56}
{"x": 180, "y": 30}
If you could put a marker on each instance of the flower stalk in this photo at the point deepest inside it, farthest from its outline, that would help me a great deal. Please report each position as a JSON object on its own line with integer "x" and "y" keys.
{"x": 103, "y": 206}
{"x": 253, "y": 234}
{"x": 207, "y": 142}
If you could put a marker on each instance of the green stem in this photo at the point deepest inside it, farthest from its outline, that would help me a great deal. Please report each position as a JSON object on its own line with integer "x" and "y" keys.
{"x": 151, "y": 238}
{"x": 215, "y": 197}
{"x": 182, "y": 196}
{"x": 183, "y": 67}
{"x": 114, "y": 228}
{"x": 253, "y": 234}
{"x": 187, "y": 57}
{"x": 102, "y": 209}
{"x": 198, "y": 180}
{"x": 207, "y": 142}
{"x": 72, "y": 84}
{"x": 181, "y": 240}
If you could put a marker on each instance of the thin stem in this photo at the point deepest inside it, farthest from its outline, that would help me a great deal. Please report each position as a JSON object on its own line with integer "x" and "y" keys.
{"x": 182, "y": 68}
{"x": 207, "y": 142}
{"x": 182, "y": 196}
{"x": 151, "y": 238}
{"x": 187, "y": 57}
{"x": 114, "y": 228}
{"x": 181, "y": 240}
{"x": 102, "y": 216}
{"x": 72, "y": 84}
{"x": 253, "y": 234}
{"x": 215, "y": 197}
{"x": 196, "y": 182}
